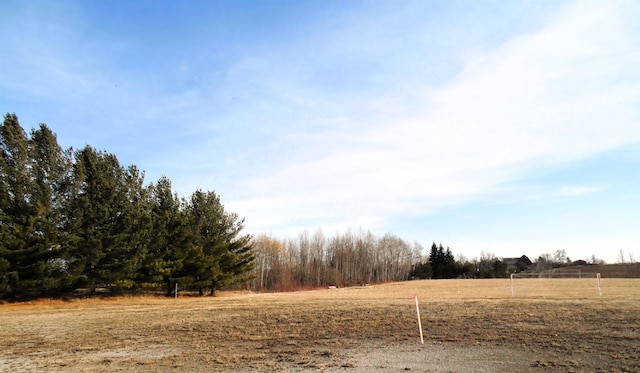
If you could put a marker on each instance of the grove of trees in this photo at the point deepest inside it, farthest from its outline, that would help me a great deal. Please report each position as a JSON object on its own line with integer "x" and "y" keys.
{"x": 357, "y": 258}
{"x": 77, "y": 219}
{"x": 442, "y": 264}
{"x": 345, "y": 259}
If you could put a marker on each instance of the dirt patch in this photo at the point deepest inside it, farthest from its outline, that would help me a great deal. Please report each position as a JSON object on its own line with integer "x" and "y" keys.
{"x": 469, "y": 325}
{"x": 432, "y": 357}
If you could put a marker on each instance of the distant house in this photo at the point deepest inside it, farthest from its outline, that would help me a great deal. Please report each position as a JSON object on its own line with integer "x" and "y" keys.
{"x": 580, "y": 263}
{"x": 520, "y": 264}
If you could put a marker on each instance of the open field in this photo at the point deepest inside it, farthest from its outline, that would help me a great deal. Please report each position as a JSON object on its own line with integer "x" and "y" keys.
{"x": 469, "y": 325}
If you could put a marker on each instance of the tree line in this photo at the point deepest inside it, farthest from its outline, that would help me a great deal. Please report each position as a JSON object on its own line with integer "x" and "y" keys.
{"x": 313, "y": 260}
{"x": 344, "y": 259}
{"x": 77, "y": 220}
{"x": 357, "y": 258}
{"x": 441, "y": 264}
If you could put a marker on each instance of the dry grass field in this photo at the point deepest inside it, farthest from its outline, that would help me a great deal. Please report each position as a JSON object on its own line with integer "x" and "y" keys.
{"x": 469, "y": 325}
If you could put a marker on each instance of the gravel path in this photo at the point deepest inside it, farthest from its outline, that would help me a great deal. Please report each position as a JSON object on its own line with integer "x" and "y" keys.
{"x": 432, "y": 357}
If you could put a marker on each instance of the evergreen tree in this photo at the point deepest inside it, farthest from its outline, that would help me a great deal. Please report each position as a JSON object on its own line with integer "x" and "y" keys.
{"x": 216, "y": 256}
{"x": 131, "y": 229}
{"x": 50, "y": 172}
{"x": 435, "y": 261}
{"x": 95, "y": 208}
{"x": 449, "y": 267}
{"x": 14, "y": 207}
{"x": 499, "y": 269}
{"x": 422, "y": 271}
{"x": 443, "y": 263}
{"x": 31, "y": 171}
{"x": 164, "y": 260}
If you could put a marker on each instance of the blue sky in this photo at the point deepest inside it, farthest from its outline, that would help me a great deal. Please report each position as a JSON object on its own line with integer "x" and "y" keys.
{"x": 490, "y": 126}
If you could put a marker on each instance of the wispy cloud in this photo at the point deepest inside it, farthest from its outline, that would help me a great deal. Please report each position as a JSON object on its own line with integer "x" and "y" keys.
{"x": 552, "y": 96}
{"x": 571, "y": 191}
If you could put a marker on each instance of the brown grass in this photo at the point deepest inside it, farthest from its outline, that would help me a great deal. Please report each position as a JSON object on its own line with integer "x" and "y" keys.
{"x": 560, "y": 324}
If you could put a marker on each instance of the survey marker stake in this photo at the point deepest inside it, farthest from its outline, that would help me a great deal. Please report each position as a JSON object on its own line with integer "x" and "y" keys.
{"x": 415, "y": 297}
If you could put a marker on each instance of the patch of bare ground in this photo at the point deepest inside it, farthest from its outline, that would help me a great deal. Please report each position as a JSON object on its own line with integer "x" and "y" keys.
{"x": 469, "y": 325}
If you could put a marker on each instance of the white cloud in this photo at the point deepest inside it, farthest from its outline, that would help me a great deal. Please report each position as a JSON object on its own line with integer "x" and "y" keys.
{"x": 571, "y": 191}
{"x": 557, "y": 95}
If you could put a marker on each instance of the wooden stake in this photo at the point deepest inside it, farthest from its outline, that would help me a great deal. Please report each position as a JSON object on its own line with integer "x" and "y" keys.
{"x": 419, "y": 321}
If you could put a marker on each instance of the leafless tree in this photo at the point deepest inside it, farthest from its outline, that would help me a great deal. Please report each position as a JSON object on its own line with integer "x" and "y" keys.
{"x": 345, "y": 259}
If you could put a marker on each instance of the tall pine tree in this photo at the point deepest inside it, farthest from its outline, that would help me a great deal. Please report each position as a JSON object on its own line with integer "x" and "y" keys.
{"x": 217, "y": 254}
{"x": 15, "y": 212}
{"x": 50, "y": 173}
{"x": 94, "y": 211}
{"x": 164, "y": 259}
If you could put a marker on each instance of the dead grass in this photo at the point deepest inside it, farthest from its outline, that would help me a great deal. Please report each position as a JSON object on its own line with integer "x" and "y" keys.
{"x": 550, "y": 325}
